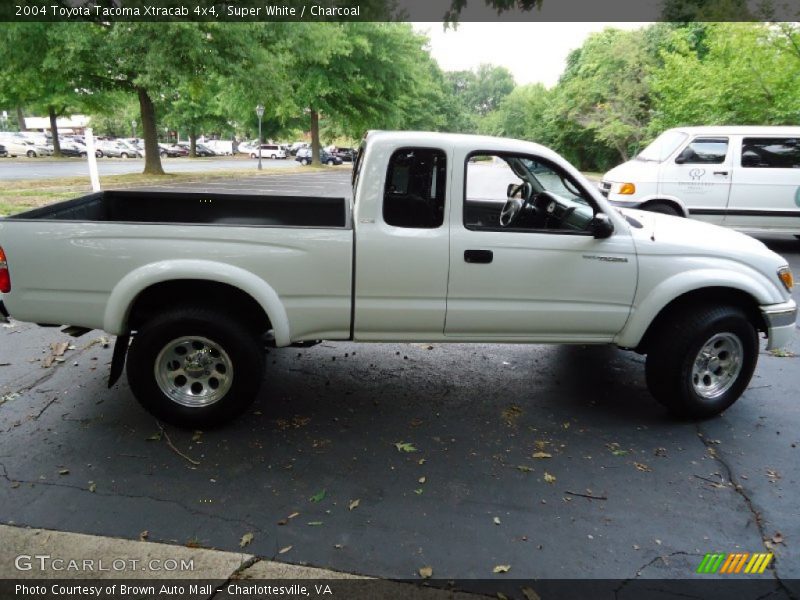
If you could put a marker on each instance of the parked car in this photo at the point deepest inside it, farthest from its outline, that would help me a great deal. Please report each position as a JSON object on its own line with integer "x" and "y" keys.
{"x": 117, "y": 149}
{"x": 220, "y": 147}
{"x": 747, "y": 178}
{"x": 346, "y": 154}
{"x": 272, "y": 151}
{"x": 304, "y": 157}
{"x": 18, "y": 145}
{"x": 3, "y": 151}
{"x": 293, "y": 148}
{"x": 523, "y": 249}
{"x": 199, "y": 149}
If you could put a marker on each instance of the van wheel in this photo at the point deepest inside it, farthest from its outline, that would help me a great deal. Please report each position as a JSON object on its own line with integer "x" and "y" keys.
{"x": 304, "y": 161}
{"x": 702, "y": 360}
{"x": 663, "y": 208}
{"x": 195, "y": 367}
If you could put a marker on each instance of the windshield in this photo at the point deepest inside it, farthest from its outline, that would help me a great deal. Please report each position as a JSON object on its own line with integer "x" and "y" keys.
{"x": 661, "y": 147}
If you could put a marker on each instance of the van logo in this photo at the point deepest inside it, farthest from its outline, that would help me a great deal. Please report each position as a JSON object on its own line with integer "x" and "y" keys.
{"x": 696, "y": 174}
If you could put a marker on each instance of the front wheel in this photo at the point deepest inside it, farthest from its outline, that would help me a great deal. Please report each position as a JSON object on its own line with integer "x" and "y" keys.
{"x": 330, "y": 163}
{"x": 124, "y": 155}
{"x": 663, "y": 208}
{"x": 31, "y": 154}
{"x": 304, "y": 162}
{"x": 702, "y": 360}
{"x": 195, "y": 367}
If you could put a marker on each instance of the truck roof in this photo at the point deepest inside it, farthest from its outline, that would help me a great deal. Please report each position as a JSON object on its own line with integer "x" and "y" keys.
{"x": 463, "y": 141}
{"x": 740, "y": 130}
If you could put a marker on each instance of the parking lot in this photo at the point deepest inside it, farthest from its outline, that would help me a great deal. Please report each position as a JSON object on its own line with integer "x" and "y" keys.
{"x": 381, "y": 459}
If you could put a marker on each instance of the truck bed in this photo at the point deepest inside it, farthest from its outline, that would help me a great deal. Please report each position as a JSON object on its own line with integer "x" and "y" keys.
{"x": 197, "y": 209}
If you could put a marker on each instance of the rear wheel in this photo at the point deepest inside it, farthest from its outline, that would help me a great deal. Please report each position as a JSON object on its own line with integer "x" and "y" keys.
{"x": 663, "y": 208}
{"x": 701, "y": 360}
{"x": 304, "y": 161}
{"x": 124, "y": 155}
{"x": 195, "y": 367}
{"x": 31, "y": 154}
{"x": 83, "y": 155}
{"x": 330, "y": 163}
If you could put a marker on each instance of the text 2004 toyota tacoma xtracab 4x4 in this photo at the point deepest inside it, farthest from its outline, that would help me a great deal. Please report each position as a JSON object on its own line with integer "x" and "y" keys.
{"x": 447, "y": 238}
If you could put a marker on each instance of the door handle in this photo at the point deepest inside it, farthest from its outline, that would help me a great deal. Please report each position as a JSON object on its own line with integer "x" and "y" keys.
{"x": 478, "y": 256}
{"x": 720, "y": 172}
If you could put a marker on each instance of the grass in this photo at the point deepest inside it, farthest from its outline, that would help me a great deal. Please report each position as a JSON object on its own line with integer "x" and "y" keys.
{"x": 20, "y": 195}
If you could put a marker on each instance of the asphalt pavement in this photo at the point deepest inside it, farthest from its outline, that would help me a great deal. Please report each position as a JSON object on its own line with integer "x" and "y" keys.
{"x": 382, "y": 459}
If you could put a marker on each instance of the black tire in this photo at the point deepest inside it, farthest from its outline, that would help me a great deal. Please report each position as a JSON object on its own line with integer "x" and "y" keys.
{"x": 663, "y": 208}
{"x": 330, "y": 163}
{"x": 676, "y": 347}
{"x": 124, "y": 155}
{"x": 31, "y": 154}
{"x": 242, "y": 352}
{"x": 99, "y": 154}
{"x": 162, "y": 154}
{"x": 304, "y": 161}
{"x": 272, "y": 156}
{"x": 83, "y": 155}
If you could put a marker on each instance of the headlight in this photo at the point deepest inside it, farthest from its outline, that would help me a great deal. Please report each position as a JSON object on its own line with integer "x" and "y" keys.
{"x": 625, "y": 189}
{"x": 785, "y": 275}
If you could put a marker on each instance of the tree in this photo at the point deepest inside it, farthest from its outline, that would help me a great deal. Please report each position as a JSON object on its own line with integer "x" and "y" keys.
{"x": 360, "y": 76}
{"x": 150, "y": 60}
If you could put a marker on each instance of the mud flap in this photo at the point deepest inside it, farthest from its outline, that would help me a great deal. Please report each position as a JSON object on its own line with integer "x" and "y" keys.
{"x": 118, "y": 358}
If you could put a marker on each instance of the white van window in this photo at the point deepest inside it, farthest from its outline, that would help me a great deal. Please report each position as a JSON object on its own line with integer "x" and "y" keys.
{"x": 771, "y": 153}
{"x": 706, "y": 151}
{"x": 662, "y": 147}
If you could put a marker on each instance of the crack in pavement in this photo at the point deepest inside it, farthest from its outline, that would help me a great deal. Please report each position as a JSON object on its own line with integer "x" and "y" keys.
{"x": 242, "y": 567}
{"x": 739, "y": 489}
{"x": 651, "y": 562}
{"x": 190, "y": 510}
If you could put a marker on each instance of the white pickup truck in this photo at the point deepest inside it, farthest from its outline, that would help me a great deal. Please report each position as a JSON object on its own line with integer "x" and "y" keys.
{"x": 447, "y": 238}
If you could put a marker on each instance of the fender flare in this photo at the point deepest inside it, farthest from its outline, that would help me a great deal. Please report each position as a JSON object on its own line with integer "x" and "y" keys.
{"x": 646, "y": 311}
{"x": 134, "y": 283}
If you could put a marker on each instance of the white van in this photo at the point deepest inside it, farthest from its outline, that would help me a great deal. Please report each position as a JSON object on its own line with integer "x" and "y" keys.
{"x": 272, "y": 151}
{"x": 747, "y": 178}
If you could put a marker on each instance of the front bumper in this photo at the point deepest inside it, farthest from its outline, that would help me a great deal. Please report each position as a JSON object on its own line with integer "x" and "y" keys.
{"x": 780, "y": 320}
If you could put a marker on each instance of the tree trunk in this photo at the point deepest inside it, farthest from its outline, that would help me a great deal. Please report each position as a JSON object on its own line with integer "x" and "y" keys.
{"x": 315, "y": 137}
{"x": 51, "y": 112}
{"x": 21, "y": 119}
{"x": 152, "y": 159}
{"x": 192, "y": 143}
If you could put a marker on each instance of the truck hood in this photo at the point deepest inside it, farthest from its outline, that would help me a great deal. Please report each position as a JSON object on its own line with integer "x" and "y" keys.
{"x": 633, "y": 171}
{"x": 664, "y": 235}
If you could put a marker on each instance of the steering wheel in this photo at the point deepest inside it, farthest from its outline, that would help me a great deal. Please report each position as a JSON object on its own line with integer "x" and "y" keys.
{"x": 514, "y": 204}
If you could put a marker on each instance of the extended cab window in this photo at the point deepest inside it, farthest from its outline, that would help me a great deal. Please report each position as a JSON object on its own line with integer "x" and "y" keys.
{"x": 704, "y": 151}
{"x": 771, "y": 153}
{"x": 415, "y": 188}
{"x": 519, "y": 193}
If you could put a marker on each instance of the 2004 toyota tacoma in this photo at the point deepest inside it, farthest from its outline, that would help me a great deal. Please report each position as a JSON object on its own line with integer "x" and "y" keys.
{"x": 447, "y": 238}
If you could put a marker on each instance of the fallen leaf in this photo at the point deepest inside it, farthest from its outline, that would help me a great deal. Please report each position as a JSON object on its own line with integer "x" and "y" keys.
{"x": 511, "y": 414}
{"x": 530, "y": 594}
{"x": 642, "y": 467}
{"x": 541, "y": 444}
{"x": 92, "y": 486}
{"x": 338, "y": 546}
{"x": 421, "y": 461}
{"x": 541, "y": 455}
{"x": 773, "y": 474}
{"x": 144, "y": 535}
{"x": 501, "y": 569}
{"x": 661, "y": 452}
{"x": 354, "y": 504}
{"x": 284, "y": 550}
{"x": 314, "y": 523}
{"x": 246, "y": 539}
{"x": 782, "y": 353}
{"x": 549, "y": 478}
{"x": 405, "y": 447}
{"x": 496, "y": 520}
{"x": 777, "y": 538}
{"x": 156, "y": 437}
{"x": 426, "y": 572}
{"x": 64, "y": 472}
{"x": 422, "y": 480}
{"x": 293, "y": 515}
{"x": 318, "y": 497}
{"x": 197, "y": 435}
{"x": 524, "y": 468}
{"x": 282, "y": 522}
{"x": 419, "y": 491}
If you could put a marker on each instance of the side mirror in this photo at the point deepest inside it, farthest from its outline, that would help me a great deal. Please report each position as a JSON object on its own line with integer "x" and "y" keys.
{"x": 601, "y": 226}
{"x": 680, "y": 159}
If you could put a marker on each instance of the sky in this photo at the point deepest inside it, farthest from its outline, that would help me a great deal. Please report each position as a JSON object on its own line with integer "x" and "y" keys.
{"x": 533, "y": 52}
